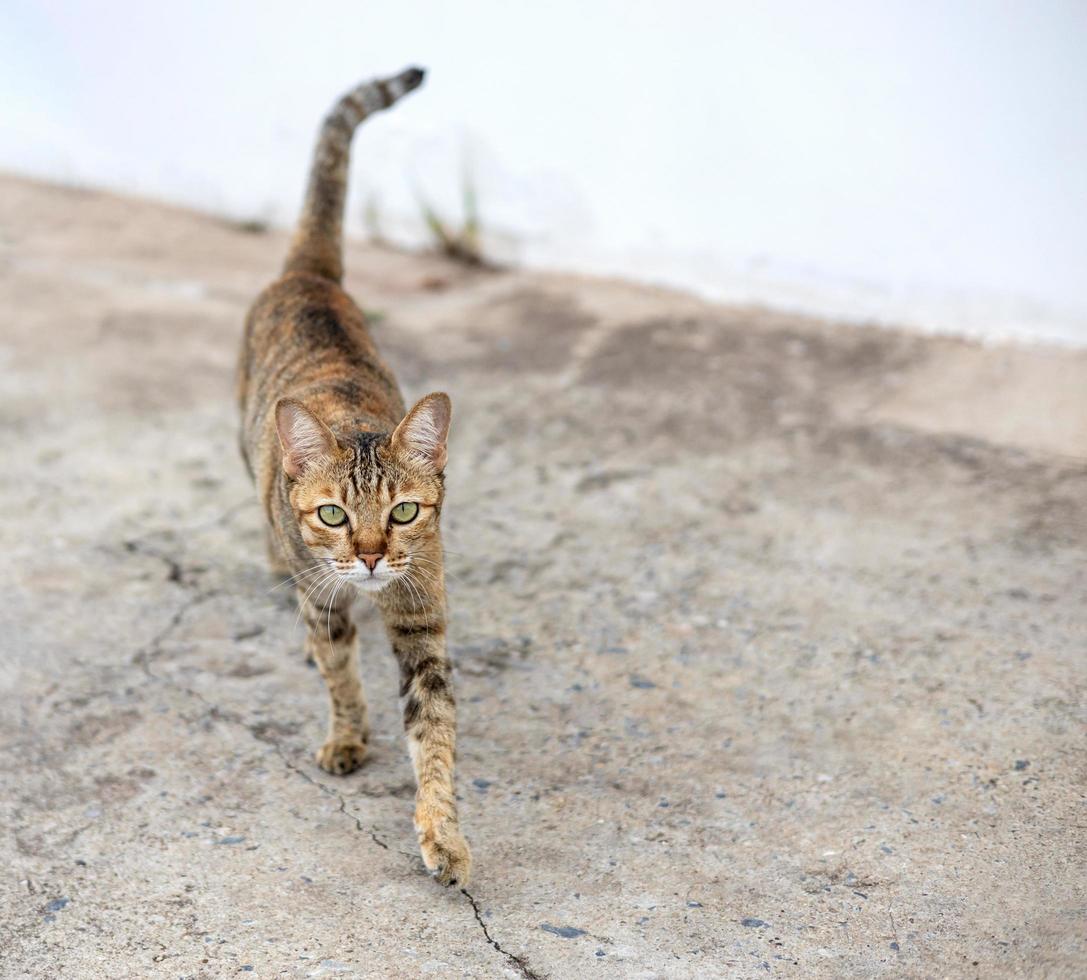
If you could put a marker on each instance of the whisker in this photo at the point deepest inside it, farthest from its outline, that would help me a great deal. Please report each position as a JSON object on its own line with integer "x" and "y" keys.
{"x": 330, "y": 574}
{"x": 320, "y": 581}
{"x": 429, "y": 576}
{"x": 411, "y": 594}
{"x": 422, "y": 599}
{"x": 315, "y": 564}
{"x": 324, "y": 595}
{"x": 454, "y": 553}
{"x": 422, "y": 603}
{"x": 424, "y": 559}
{"x": 332, "y": 602}
{"x": 436, "y": 572}
{"x": 329, "y": 586}
{"x": 437, "y": 564}
{"x": 291, "y": 580}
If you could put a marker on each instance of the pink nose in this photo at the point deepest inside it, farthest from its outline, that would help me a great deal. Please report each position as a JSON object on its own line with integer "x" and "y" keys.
{"x": 371, "y": 560}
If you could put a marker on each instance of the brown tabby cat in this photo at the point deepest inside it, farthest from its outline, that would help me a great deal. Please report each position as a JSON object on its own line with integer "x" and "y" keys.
{"x": 352, "y": 487}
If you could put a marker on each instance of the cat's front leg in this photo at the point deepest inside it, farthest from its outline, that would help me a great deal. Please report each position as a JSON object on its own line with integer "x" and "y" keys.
{"x": 331, "y": 642}
{"x": 415, "y": 620}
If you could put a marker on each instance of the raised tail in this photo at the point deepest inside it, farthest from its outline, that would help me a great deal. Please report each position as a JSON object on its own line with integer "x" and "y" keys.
{"x": 317, "y": 246}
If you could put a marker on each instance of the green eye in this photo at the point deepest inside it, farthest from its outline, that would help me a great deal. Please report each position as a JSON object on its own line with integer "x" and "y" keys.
{"x": 331, "y": 515}
{"x": 405, "y": 512}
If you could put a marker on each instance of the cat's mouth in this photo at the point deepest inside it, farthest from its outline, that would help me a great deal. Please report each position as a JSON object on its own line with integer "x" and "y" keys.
{"x": 367, "y": 579}
{"x": 369, "y": 582}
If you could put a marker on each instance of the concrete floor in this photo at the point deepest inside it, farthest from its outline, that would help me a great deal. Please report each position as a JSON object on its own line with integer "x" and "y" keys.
{"x": 770, "y": 635}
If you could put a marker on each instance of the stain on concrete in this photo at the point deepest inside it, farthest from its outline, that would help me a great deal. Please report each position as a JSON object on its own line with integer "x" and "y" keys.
{"x": 641, "y": 488}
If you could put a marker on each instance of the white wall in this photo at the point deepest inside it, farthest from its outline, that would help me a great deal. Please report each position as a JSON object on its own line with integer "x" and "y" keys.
{"x": 922, "y": 162}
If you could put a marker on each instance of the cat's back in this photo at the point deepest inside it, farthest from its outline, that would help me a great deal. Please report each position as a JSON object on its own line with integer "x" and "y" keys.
{"x": 306, "y": 338}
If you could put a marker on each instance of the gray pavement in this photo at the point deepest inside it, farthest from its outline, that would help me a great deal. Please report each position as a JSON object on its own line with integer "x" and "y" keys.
{"x": 770, "y": 635}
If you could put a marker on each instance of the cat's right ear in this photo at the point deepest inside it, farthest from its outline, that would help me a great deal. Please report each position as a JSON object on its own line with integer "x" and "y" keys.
{"x": 304, "y": 437}
{"x": 422, "y": 435}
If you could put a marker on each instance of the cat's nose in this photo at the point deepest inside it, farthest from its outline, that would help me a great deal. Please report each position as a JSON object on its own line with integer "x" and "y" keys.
{"x": 372, "y": 560}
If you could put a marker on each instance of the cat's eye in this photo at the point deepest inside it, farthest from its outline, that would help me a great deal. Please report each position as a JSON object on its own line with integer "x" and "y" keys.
{"x": 405, "y": 512}
{"x": 331, "y": 515}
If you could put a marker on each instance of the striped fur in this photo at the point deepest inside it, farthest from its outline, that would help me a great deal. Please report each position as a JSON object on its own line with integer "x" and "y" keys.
{"x": 318, "y": 242}
{"x": 324, "y": 424}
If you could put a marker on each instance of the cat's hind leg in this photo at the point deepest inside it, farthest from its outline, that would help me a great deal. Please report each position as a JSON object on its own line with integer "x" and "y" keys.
{"x": 331, "y": 642}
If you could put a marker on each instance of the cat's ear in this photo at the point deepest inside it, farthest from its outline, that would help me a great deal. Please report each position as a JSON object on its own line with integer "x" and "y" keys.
{"x": 304, "y": 437}
{"x": 421, "y": 436}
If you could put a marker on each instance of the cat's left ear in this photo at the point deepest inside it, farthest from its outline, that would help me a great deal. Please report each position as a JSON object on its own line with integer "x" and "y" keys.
{"x": 421, "y": 437}
{"x": 304, "y": 438}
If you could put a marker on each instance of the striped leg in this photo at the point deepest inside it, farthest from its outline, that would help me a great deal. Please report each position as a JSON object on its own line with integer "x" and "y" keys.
{"x": 416, "y": 626}
{"x": 330, "y": 642}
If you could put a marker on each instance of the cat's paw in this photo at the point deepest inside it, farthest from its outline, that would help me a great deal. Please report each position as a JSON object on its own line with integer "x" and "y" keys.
{"x": 445, "y": 853}
{"x": 340, "y": 756}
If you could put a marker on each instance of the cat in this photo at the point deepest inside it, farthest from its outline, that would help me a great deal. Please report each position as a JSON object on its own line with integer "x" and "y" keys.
{"x": 352, "y": 487}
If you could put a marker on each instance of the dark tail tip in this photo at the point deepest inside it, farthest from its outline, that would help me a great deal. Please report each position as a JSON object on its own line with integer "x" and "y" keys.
{"x": 412, "y": 78}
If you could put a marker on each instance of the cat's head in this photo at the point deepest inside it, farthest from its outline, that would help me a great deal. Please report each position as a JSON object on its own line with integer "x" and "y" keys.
{"x": 367, "y": 508}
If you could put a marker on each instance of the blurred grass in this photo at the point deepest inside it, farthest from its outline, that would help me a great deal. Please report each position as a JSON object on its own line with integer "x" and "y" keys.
{"x": 463, "y": 244}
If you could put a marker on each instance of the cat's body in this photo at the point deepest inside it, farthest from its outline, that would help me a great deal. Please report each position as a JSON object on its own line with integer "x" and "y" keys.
{"x": 352, "y": 488}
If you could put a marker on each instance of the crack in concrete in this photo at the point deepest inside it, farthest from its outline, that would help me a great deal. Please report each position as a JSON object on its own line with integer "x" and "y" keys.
{"x": 518, "y": 961}
{"x": 153, "y": 648}
{"x": 328, "y": 791}
{"x": 151, "y": 651}
{"x": 521, "y": 965}
{"x": 175, "y": 570}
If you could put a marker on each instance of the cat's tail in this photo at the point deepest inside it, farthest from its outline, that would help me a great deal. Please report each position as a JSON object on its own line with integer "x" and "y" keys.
{"x": 317, "y": 246}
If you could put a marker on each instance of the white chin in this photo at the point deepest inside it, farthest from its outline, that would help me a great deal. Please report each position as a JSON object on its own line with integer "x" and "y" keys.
{"x": 371, "y": 584}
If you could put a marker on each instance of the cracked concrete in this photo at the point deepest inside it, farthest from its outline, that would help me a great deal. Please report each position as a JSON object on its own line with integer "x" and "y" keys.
{"x": 769, "y": 634}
